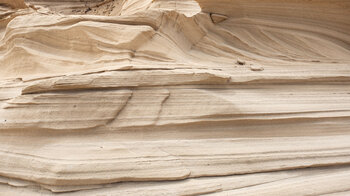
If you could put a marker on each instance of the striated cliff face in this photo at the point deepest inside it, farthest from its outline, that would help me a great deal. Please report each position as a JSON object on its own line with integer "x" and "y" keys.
{"x": 175, "y": 97}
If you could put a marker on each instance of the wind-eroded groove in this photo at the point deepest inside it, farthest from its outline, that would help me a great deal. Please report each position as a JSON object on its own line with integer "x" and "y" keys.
{"x": 161, "y": 107}
{"x": 120, "y": 110}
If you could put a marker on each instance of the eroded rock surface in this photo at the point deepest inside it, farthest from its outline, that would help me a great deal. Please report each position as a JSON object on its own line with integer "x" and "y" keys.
{"x": 170, "y": 97}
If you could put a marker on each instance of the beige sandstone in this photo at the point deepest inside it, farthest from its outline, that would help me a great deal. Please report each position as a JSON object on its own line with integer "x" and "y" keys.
{"x": 174, "y": 97}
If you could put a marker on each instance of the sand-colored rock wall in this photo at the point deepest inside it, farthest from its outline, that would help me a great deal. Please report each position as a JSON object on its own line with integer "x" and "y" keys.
{"x": 126, "y": 97}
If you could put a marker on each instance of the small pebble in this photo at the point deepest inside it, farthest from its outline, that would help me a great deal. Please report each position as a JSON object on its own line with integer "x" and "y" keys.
{"x": 217, "y": 18}
{"x": 240, "y": 62}
{"x": 256, "y": 68}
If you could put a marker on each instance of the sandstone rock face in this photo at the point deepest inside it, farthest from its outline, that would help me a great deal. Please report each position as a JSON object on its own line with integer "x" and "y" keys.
{"x": 146, "y": 97}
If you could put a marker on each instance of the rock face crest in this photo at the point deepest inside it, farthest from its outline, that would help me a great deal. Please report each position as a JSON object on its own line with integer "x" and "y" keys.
{"x": 169, "y": 97}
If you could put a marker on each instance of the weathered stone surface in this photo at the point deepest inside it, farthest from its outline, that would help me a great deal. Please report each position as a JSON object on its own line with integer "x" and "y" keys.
{"x": 147, "y": 97}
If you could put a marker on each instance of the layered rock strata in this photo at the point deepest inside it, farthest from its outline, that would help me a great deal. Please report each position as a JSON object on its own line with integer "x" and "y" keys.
{"x": 167, "y": 97}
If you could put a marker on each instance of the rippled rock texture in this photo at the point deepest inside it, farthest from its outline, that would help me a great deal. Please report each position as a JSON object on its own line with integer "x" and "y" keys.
{"x": 175, "y": 97}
